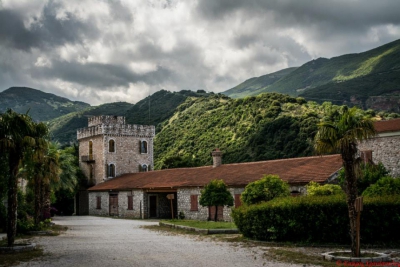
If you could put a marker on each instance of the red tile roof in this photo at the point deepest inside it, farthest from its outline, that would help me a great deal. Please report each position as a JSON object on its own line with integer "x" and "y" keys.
{"x": 387, "y": 126}
{"x": 296, "y": 171}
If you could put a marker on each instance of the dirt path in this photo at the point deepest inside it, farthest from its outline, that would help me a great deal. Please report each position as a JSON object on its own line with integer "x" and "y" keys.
{"x": 95, "y": 241}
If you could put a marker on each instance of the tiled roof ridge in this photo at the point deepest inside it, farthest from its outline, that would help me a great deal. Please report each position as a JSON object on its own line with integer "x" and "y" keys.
{"x": 250, "y": 163}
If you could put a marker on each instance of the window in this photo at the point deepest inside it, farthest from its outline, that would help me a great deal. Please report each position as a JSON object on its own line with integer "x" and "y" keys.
{"x": 90, "y": 150}
{"x": 98, "y": 202}
{"x": 238, "y": 201}
{"x": 111, "y": 170}
{"x": 193, "y": 203}
{"x": 111, "y": 146}
{"x": 143, "y": 147}
{"x": 143, "y": 168}
{"x": 130, "y": 202}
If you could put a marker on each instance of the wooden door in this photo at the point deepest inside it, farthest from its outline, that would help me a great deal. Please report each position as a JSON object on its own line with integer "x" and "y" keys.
{"x": 113, "y": 205}
{"x": 211, "y": 213}
{"x": 152, "y": 206}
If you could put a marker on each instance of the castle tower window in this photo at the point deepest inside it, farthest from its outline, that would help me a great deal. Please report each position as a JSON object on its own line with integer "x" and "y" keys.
{"x": 111, "y": 170}
{"x": 90, "y": 150}
{"x": 143, "y": 147}
{"x": 111, "y": 146}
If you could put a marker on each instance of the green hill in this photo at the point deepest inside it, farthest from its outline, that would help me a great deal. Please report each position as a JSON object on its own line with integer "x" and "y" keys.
{"x": 268, "y": 126}
{"x": 42, "y": 106}
{"x": 63, "y": 129}
{"x": 375, "y": 71}
{"x": 254, "y": 86}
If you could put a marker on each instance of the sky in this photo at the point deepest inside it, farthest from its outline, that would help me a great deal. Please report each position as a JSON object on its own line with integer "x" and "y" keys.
{"x": 107, "y": 51}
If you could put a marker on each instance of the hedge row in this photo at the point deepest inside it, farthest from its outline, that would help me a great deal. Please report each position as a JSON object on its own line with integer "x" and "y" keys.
{"x": 319, "y": 219}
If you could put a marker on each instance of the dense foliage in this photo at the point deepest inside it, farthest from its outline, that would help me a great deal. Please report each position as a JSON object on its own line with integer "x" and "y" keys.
{"x": 385, "y": 186}
{"x": 265, "y": 189}
{"x": 318, "y": 219}
{"x": 315, "y": 189}
{"x": 269, "y": 126}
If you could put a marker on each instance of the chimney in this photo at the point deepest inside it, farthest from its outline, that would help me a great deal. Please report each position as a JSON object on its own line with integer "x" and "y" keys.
{"x": 217, "y": 157}
{"x": 366, "y": 156}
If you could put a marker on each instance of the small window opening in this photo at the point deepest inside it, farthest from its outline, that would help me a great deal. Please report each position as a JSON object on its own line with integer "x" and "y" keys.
{"x": 111, "y": 146}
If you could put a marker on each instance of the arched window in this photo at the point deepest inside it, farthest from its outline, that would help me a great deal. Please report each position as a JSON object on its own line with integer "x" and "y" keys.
{"x": 111, "y": 170}
{"x": 143, "y": 147}
{"x": 90, "y": 150}
{"x": 143, "y": 168}
{"x": 111, "y": 146}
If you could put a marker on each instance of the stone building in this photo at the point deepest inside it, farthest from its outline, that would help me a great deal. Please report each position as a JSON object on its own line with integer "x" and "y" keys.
{"x": 109, "y": 148}
{"x": 385, "y": 147}
{"x": 145, "y": 195}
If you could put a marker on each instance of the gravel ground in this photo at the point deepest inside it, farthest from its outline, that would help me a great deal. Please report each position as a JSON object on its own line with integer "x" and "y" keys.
{"x": 97, "y": 241}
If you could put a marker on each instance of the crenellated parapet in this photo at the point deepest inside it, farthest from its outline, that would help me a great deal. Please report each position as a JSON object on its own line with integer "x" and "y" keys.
{"x": 116, "y": 129}
{"x": 106, "y": 120}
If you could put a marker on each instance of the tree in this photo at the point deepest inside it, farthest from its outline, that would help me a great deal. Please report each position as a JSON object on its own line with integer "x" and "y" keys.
{"x": 16, "y": 131}
{"x": 265, "y": 189}
{"x": 315, "y": 189}
{"x": 341, "y": 134}
{"x": 384, "y": 187}
{"x": 216, "y": 194}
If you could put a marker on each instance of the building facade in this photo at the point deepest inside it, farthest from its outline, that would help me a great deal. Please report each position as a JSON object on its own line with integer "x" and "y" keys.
{"x": 108, "y": 148}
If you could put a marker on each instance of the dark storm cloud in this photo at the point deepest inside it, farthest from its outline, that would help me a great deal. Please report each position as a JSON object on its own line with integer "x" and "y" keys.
{"x": 13, "y": 32}
{"x": 100, "y": 75}
{"x": 46, "y": 31}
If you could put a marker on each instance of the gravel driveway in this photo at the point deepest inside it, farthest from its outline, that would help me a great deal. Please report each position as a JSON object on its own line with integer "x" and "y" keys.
{"x": 96, "y": 241}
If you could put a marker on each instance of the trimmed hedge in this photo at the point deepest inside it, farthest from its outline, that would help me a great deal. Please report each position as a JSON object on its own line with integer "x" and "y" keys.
{"x": 318, "y": 219}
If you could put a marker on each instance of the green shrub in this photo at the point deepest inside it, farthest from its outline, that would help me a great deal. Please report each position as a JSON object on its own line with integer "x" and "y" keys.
{"x": 315, "y": 189}
{"x": 383, "y": 187}
{"x": 265, "y": 189}
{"x": 318, "y": 219}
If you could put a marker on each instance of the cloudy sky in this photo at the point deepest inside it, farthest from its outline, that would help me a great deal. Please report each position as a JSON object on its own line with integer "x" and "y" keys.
{"x": 106, "y": 51}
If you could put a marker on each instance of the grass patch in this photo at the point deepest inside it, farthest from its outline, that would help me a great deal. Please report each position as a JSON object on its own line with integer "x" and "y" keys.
{"x": 203, "y": 224}
{"x": 11, "y": 259}
{"x": 297, "y": 257}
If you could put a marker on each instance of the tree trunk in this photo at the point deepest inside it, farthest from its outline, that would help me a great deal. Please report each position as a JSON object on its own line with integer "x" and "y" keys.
{"x": 12, "y": 199}
{"x": 216, "y": 214}
{"x": 351, "y": 187}
{"x": 46, "y": 201}
{"x": 38, "y": 190}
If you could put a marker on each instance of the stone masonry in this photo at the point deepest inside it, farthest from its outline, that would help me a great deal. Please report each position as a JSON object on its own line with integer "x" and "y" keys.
{"x": 126, "y": 157}
{"x": 385, "y": 149}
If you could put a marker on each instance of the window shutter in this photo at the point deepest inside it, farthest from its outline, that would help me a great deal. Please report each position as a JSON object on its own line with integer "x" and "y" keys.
{"x": 140, "y": 146}
{"x": 149, "y": 168}
{"x": 193, "y": 203}
{"x": 238, "y": 201}
{"x": 98, "y": 204}
{"x": 130, "y": 202}
{"x": 140, "y": 167}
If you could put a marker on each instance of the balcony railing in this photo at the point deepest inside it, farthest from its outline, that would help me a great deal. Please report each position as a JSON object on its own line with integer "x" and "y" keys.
{"x": 87, "y": 158}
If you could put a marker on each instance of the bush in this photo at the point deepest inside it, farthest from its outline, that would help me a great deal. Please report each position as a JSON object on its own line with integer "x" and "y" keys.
{"x": 318, "y": 219}
{"x": 265, "y": 189}
{"x": 384, "y": 186}
{"x": 315, "y": 189}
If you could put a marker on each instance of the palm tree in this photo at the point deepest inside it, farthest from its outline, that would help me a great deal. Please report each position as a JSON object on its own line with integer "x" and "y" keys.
{"x": 341, "y": 134}
{"x": 16, "y": 131}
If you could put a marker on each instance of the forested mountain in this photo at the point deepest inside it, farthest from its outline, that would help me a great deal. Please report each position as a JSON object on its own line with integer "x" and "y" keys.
{"x": 63, "y": 129}
{"x": 42, "y": 106}
{"x": 159, "y": 106}
{"x": 268, "y": 126}
{"x": 369, "y": 79}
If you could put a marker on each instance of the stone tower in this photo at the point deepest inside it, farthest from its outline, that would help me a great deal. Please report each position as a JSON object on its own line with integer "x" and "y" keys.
{"x": 108, "y": 148}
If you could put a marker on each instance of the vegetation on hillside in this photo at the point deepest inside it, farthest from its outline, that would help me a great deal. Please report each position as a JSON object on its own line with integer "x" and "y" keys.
{"x": 340, "y": 79}
{"x": 269, "y": 126}
{"x": 42, "y": 106}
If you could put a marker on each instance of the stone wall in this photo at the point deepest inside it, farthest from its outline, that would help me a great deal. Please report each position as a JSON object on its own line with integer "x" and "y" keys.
{"x": 184, "y": 204}
{"x": 98, "y": 159}
{"x": 104, "y": 211}
{"x": 137, "y": 211}
{"x": 385, "y": 149}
